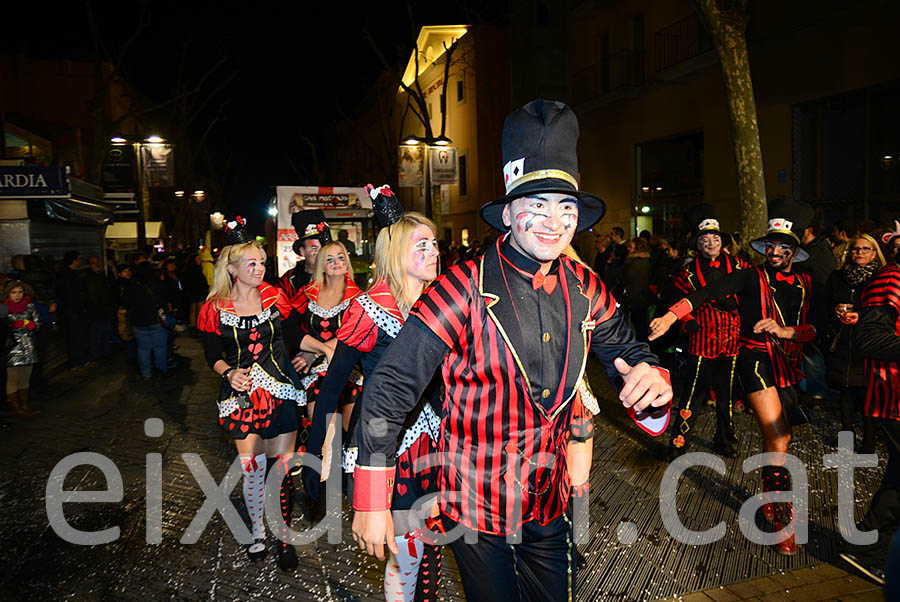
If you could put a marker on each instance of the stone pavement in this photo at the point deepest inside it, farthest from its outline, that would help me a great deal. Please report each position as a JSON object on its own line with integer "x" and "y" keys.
{"x": 630, "y": 554}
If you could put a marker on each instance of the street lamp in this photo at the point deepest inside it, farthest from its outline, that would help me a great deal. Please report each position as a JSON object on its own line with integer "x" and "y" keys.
{"x": 413, "y": 140}
{"x": 142, "y": 214}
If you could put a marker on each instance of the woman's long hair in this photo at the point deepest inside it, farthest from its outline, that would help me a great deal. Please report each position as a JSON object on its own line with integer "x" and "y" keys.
{"x": 233, "y": 254}
{"x": 391, "y": 249}
{"x": 319, "y": 270}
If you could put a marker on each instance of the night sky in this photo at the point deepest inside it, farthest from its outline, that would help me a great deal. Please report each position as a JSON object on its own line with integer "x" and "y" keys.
{"x": 290, "y": 70}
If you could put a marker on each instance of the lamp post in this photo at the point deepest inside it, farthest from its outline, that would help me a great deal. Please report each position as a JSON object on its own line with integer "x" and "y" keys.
{"x": 142, "y": 191}
{"x": 427, "y": 143}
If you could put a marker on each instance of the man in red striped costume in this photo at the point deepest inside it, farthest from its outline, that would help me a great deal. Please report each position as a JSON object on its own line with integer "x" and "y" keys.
{"x": 773, "y": 301}
{"x": 878, "y": 340}
{"x": 510, "y": 331}
{"x": 713, "y": 333}
{"x": 313, "y": 233}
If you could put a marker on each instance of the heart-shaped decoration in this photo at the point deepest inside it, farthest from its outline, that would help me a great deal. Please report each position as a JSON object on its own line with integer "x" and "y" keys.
{"x": 401, "y": 488}
{"x": 266, "y": 423}
{"x": 685, "y": 414}
{"x": 255, "y": 348}
{"x": 425, "y": 483}
{"x": 325, "y": 323}
{"x": 231, "y": 427}
{"x": 245, "y": 428}
{"x": 254, "y": 336}
{"x": 325, "y": 335}
{"x": 256, "y": 425}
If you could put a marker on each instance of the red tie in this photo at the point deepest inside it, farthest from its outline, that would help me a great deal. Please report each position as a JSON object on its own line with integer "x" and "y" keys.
{"x": 714, "y": 264}
{"x": 548, "y": 283}
{"x": 783, "y": 278}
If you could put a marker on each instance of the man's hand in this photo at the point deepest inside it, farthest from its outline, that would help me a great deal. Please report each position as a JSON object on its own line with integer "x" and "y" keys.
{"x": 660, "y": 326}
{"x": 849, "y": 317}
{"x": 303, "y": 361}
{"x": 770, "y": 326}
{"x": 372, "y": 529}
{"x": 644, "y": 386}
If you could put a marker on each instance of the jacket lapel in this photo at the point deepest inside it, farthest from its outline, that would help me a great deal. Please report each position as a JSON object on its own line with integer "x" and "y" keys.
{"x": 579, "y": 311}
{"x": 499, "y": 307}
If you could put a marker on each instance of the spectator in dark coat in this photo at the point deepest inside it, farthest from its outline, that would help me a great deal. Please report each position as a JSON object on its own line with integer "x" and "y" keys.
{"x": 820, "y": 265}
{"x": 195, "y": 288}
{"x": 73, "y": 304}
{"x": 843, "y": 292}
{"x": 637, "y": 297}
{"x": 144, "y": 294}
{"x": 603, "y": 259}
{"x": 101, "y": 307}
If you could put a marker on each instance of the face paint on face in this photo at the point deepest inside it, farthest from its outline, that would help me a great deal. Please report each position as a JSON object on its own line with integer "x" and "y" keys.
{"x": 423, "y": 254}
{"x": 251, "y": 268}
{"x": 544, "y": 224}
{"x": 335, "y": 264}
{"x": 710, "y": 245}
{"x": 780, "y": 255}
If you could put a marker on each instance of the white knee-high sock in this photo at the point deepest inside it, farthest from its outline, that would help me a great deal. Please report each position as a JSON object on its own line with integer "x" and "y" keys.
{"x": 401, "y": 571}
{"x": 255, "y": 492}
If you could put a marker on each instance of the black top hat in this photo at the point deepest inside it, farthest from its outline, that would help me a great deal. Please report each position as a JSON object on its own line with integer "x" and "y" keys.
{"x": 385, "y": 205}
{"x": 702, "y": 220}
{"x": 788, "y": 219}
{"x": 311, "y": 224}
{"x": 539, "y": 155}
{"x": 235, "y": 233}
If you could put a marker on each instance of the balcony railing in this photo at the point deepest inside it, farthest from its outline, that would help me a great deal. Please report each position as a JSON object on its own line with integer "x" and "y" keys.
{"x": 679, "y": 42}
{"x": 621, "y": 69}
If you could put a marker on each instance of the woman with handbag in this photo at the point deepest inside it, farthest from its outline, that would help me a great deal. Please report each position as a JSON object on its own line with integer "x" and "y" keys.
{"x": 843, "y": 292}
{"x": 144, "y": 299}
{"x": 242, "y": 323}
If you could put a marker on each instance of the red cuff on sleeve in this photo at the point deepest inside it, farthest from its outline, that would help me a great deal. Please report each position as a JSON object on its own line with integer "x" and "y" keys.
{"x": 373, "y": 488}
{"x": 31, "y": 325}
{"x": 18, "y": 324}
{"x": 579, "y": 491}
{"x": 805, "y": 332}
{"x": 681, "y": 308}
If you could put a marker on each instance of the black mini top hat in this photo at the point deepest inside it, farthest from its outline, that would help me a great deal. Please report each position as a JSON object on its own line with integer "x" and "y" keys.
{"x": 788, "y": 219}
{"x": 235, "y": 232}
{"x": 385, "y": 205}
{"x": 702, "y": 220}
{"x": 310, "y": 224}
{"x": 539, "y": 155}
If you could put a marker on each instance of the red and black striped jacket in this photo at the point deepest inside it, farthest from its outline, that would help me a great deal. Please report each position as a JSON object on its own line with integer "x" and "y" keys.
{"x": 293, "y": 281}
{"x": 502, "y": 454}
{"x": 882, "y": 339}
{"x": 719, "y": 332}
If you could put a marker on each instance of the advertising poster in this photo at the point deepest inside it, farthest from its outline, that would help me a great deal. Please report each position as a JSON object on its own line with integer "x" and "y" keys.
{"x": 411, "y": 173}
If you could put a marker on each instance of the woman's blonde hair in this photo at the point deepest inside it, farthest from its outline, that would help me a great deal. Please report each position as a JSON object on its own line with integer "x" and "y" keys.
{"x": 391, "y": 248}
{"x": 14, "y": 284}
{"x": 232, "y": 254}
{"x": 878, "y": 254}
{"x": 319, "y": 270}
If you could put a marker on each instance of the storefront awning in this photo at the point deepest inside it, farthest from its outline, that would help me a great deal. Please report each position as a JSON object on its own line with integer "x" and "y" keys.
{"x": 78, "y": 211}
{"x": 128, "y": 231}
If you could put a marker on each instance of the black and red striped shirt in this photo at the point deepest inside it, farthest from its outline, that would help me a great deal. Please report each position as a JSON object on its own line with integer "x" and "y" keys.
{"x": 502, "y": 452}
{"x": 293, "y": 281}
{"x": 878, "y": 338}
{"x": 720, "y": 324}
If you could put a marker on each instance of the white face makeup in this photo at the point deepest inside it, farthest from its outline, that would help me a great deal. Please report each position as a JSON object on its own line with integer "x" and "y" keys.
{"x": 710, "y": 245}
{"x": 335, "y": 263}
{"x": 541, "y": 226}
{"x": 422, "y": 254}
{"x": 250, "y": 270}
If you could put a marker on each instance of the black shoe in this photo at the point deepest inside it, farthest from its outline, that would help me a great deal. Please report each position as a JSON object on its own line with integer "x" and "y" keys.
{"x": 256, "y": 551}
{"x": 286, "y": 556}
{"x": 725, "y": 449}
{"x": 860, "y": 564}
{"x": 580, "y": 560}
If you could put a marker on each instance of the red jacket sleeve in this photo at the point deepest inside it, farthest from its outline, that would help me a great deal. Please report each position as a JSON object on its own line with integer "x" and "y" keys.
{"x": 357, "y": 328}
{"x": 208, "y": 318}
{"x": 444, "y": 307}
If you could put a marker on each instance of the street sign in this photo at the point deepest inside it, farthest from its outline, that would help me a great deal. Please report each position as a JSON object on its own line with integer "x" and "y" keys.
{"x": 33, "y": 181}
{"x": 443, "y": 162}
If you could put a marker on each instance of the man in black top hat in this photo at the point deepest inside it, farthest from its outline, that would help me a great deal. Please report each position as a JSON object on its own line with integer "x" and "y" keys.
{"x": 512, "y": 329}
{"x": 713, "y": 333}
{"x": 313, "y": 233}
{"x": 773, "y": 301}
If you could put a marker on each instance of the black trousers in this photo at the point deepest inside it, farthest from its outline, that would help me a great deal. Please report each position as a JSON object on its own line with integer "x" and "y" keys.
{"x": 699, "y": 374}
{"x": 540, "y": 568}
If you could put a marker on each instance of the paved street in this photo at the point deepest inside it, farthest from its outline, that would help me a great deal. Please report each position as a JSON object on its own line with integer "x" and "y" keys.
{"x": 103, "y": 410}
